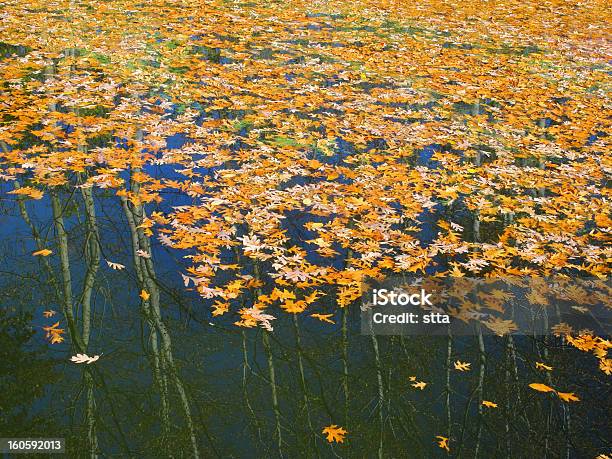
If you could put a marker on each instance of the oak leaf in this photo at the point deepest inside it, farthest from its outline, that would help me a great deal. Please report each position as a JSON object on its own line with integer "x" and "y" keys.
{"x": 335, "y": 433}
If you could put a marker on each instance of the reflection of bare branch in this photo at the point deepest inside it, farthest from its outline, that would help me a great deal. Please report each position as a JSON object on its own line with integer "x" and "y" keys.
{"x": 164, "y": 362}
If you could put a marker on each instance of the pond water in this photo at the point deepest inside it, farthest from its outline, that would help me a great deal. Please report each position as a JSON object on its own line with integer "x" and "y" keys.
{"x": 233, "y": 392}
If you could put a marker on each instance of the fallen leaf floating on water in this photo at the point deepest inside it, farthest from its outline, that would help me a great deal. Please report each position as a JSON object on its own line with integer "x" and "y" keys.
{"x": 42, "y": 253}
{"x": 489, "y": 404}
{"x": 568, "y": 396}
{"x": 419, "y": 385}
{"x": 144, "y": 295}
{"x": 84, "y": 358}
{"x": 323, "y": 317}
{"x": 462, "y": 366}
{"x": 28, "y": 191}
{"x": 49, "y": 313}
{"x": 54, "y": 334}
{"x": 143, "y": 254}
{"x": 219, "y": 308}
{"x": 565, "y": 396}
{"x": 541, "y": 387}
{"x": 256, "y": 314}
{"x": 115, "y": 266}
{"x": 541, "y": 366}
{"x": 443, "y": 442}
{"x": 335, "y": 433}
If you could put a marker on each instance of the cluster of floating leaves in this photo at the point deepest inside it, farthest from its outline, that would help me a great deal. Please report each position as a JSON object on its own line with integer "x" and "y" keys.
{"x": 317, "y": 145}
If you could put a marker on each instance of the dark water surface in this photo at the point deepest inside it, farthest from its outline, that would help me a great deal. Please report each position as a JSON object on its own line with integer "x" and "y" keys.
{"x": 324, "y": 374}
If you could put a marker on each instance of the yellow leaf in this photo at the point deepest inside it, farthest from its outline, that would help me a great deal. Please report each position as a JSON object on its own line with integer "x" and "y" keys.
{"x": 568, "y": 397}
{"x": 442, "y": 442}
{"x": 489, "y": 404}
{"x": 323, "y": 317}
{"x": 541, "y": 366}
{"x": 144, "y": 295}
{"x": 28, "y": 191}
{"x": 541, "y": 387}
{"x": 42, "y": 253}
{"x": 462, "y": 366}
{"x": 219, "y": 308}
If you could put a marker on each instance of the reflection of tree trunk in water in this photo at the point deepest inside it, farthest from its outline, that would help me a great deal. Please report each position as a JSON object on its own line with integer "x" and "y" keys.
{"x": 272, "y": 378}
{"x": 345, "y": 359}
{"x": 271, "y": 371}
{"x": 298, "y": 345}
{"x": 345, "y": 370}
{"x": 148, "y": 281}
{"x": 381, "y": 394}
{"x": 483, "y": 361}
{"x": 62, "y": 242}
{"x": 90, "y": 415}
{"x": 449, "y": 352}
{"x": 92, "y": 258}
{"x": 80, "y": 340}
{"x": 246, "y": 367}
{"x": 92, "y": 267}
{"x": 157, "y": 360}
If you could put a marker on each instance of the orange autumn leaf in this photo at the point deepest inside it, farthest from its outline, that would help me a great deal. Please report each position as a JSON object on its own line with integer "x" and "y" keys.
{"x": 443, "y": 442}
{"x": 334, "y": 433}
{"x": 568, "y": 396}
{"x": 219, "y": 308}
{"x": 42, "y": 253}
{"x": 54, "y": 334}
{"x": 144, "y": 295}
{"x": 541, "y": 387}
{"x": 323, "y": 317}
{"x": 28, "y": 191}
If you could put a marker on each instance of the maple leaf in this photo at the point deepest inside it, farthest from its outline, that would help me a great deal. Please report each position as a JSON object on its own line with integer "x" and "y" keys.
{"x": 419, "y": 385}
{"x": 541, "y": 366}
{"x": 568, "y": 396}
{"x": 541, "y": 387}
{"x": 323, "y": 317}
{"x": 49, "y": 313}
{"x": 462, "y": 366}
{"x": 334, "y": 433}
{"x": 489, "y": 404}
{"x": 144, "y": 295}
{"x": 143, "y": 254}
{"x": 442, "y": 442}
{"x": 84, "y": 358}
{"x": 42, "y": 253}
